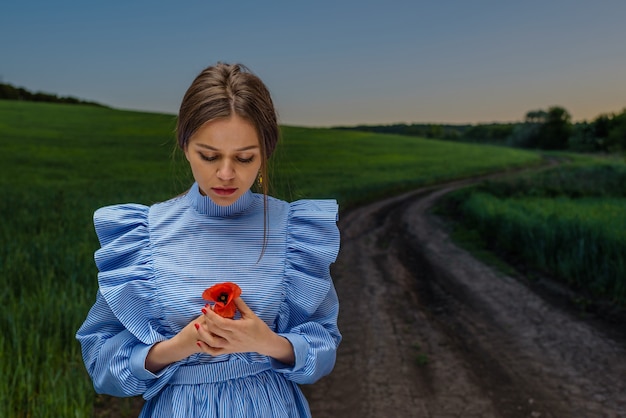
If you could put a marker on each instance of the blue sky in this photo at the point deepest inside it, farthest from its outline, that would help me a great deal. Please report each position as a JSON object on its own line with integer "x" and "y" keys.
{"x": 330, "y": 62}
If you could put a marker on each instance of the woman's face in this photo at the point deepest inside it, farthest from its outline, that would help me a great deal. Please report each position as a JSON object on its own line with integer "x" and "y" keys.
{"x": 225, "y": 158}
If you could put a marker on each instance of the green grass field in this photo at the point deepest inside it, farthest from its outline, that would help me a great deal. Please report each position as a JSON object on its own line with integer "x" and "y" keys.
{"x": 567, "y": 222}
{"x": 355, "y": 167}
{"x": 59, "y": 163}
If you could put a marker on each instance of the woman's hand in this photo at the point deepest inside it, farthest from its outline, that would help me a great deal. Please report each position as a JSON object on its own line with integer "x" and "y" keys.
{"x": 211, "y": 334}
{"x": 181, "y": 346}
{"x": 219, "y": 335}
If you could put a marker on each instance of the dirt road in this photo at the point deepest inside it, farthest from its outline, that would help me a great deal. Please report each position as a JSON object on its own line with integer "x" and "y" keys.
{"x": 431, "y": 332}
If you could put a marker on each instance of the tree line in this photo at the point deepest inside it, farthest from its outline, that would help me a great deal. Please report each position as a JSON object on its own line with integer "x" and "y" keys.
{"x": 548, "y": 129}
{"x": 10, "y": 92}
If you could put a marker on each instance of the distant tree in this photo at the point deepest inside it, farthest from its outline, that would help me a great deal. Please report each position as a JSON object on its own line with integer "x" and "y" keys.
{"x": 435, "y": 131}
{"x": 452, "y": 134}
{"x": 602, "y": 126}
{"x": 9, "y": 92}
{"x": 583, "y": 138}
{"x": 616, "y": 140}
{"x": 536, "y": 116}
{"x": 525, "y": 135}
{"x": 542, "y": 129}
{"x": 491, "y": 133}
{"x": 556, "y": 129}
{"x": 44, "y": 97}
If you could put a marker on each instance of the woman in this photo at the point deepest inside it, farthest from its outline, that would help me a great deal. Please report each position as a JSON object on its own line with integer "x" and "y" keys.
{"x": 151, "y": 333}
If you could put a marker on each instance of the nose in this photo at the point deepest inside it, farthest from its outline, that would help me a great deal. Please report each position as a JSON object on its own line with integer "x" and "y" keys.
{"x": 225, "y": 172}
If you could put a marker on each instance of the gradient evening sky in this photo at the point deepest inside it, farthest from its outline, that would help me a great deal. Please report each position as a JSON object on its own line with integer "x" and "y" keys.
{"x": 330, "y": 62}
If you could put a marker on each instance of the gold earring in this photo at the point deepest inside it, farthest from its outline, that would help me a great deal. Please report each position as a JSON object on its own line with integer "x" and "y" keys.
{"x": 260, "y": 180}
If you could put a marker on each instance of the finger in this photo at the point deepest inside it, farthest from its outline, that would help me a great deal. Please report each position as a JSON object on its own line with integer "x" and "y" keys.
{"x": 207, "y": 308}
{"x": 201, "y": 330}
{"x": 214, "y": 321}
{"x": 209, "y": 337}
{"x": 221, "y": 328}
{"x": 198, "y": 323}
{"x": 209, "y": 312}
{"x": 213, "y": 351}
{"x": 205, "y": 327}
{"x": 203, "y": 346}
{"x": 206, "y": 348}
{"x": 211, "y": 318}
{"x": 243, "y": 307}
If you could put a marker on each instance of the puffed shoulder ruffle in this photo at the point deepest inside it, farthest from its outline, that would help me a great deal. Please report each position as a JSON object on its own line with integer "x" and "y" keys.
{"x": 125, "y": 269}
{"x": 312, "y": 246}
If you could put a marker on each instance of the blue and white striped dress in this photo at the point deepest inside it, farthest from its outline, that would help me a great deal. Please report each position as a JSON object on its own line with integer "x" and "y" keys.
{"x": 154, "y": 263}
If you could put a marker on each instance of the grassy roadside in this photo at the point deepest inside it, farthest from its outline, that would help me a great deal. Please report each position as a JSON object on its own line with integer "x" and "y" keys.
{"x": 565, "y": 223}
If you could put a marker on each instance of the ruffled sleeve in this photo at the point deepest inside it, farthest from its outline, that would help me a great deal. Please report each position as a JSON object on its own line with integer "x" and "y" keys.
{"x": 308, "y": 315}
{"x": 124, "y": 321}
{"x": 125, "y": 270}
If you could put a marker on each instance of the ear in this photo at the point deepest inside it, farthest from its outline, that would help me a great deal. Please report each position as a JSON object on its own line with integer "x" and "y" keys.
{"x": 186, "y": 151}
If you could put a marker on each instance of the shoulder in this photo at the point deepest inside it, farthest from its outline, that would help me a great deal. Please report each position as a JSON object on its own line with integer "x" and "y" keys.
{"x": 116, "y": 220}
{"x": 304, "y": 208}
{"x": 131, "y": 221}
{"x": 327, "y": 209}
{"x": 312, "y": 229}
{"x": 314, "y": 217}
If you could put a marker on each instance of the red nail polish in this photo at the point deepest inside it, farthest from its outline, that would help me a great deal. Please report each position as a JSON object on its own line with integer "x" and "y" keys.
{"x": 198, "y": 344}
{"x": 204, "y": 311}
{"x": 197, "y": 326}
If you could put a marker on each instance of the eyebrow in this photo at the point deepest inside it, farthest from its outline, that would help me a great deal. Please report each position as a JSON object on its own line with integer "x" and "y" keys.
{"x": 239, "y": 149}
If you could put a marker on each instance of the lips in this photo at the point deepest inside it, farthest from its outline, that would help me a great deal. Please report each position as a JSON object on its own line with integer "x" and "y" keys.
{"x": 224, "y": 191}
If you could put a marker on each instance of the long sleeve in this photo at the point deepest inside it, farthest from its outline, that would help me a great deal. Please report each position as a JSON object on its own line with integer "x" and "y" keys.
{"x": 115, "y": 358}
{"x": 308, "y": 317}
{"x": 123, "y": 323}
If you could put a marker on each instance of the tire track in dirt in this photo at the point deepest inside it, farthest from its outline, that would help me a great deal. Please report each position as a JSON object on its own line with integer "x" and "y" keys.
{"x": 431, "y": 332}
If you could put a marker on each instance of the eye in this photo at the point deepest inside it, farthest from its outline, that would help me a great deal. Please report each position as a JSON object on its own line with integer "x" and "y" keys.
{"x": 208, "y": 157}
{"x": 245, "y": 160}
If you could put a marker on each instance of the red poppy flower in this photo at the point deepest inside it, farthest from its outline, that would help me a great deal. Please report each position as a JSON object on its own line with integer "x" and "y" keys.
{"x": 223, "y": 294}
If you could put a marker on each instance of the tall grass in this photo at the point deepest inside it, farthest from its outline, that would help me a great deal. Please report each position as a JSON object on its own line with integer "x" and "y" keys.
{"x": 568, "y": 222}
{"x": 58, "y": 163}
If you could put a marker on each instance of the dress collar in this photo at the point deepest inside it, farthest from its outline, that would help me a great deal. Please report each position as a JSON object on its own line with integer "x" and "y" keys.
{"x": 204, "y": 205}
